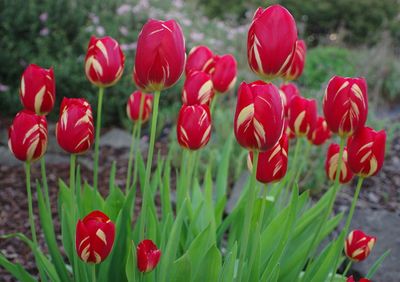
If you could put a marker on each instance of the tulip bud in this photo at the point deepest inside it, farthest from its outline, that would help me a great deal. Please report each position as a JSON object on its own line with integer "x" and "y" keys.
{"x": 358, "y": 245}
{"x": 37, "y": 91}
{"x": 104, "y": 62}
{"x": 259, "y": 120}
{"x": 272, "y": 164}
{"x": 148, "y": 256}
{"x": 345, "y": 105}
{"x": 194, "y": 126}
{"x": 296, "y": 65}
{"x": 302, "y": 115}
{"x": 94, "y": 237}
{"x": 223, "y": 70}
{"x": 288, "y": 131}
{"x": 133, "y": 106}
{"x": 271, "y": 41}
{"x": 366, "y": 151}
{"x": 198, "y": 89}
{"x": 199, "y": 58}
{"x": 321, "y": 132}
{"x": 160, "y": 55}
{"x": 331, "y": 164}
{"x": 288, "y": 91}
{"x": 74, "y": 129}
{"x": 351, "y": 279}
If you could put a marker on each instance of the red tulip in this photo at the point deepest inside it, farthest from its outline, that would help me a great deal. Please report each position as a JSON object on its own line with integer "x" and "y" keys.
{"x": 74, "y": 129}
{"x": 321, "y": 132}
{"x": 351, "y": 279}
{"x": 194, "y": 126}
{"x": 104, "y": 62}
{"x": 148, "y": 256}
{"x": 288, "y": 91}
{"x": 223, "y": 70}
{"x": 38, "y": 89}
{"x": 198, "y": 88}
{"x": 160, "y": 55}
{"x": 288, "y": 131}
{"x": 331, "y": 164}
{"x": 358, "y": 245}
{"x": 296, "y": 65}
{"x": 271, "y": 41}
{"x": 345, "y": 105}
{"x": 366, "y": 151}
{"x": 94, "y": 237}
{"x": 272, "y": 164}
{"x": 133, "y": 106}
{"x": 198, "y": 59}
{"x": 302, "y": 115}
{"x": 259, "y": 120}
{"x": 27, "y": 136}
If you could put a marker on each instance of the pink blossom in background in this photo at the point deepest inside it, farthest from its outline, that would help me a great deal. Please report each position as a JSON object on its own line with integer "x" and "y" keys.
{"x": 43, "y": 17}
{"x": 123, "y": 9}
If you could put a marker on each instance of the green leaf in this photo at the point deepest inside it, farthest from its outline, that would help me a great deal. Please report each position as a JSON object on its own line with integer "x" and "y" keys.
{"x": 112, "y": 176}
{"x": 210, "y": 266}
{"x": 198, "y": 249}
{"x": 114, "y": 203}
{"x": 181, "y": 269}
{"x": 377, "y": 264}
{"x": 16, "y": 270}
{"x": 165, "y": 192}
{"x": 228, "y": 269}
{"x": 130, "y": 268}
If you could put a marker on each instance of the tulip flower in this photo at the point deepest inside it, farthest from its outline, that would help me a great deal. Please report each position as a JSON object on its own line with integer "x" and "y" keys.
{"x": 366, "y": 151}
{"x": 198, "y": 59}
{"x": 194, "y": 126}
{"x": 271, "y": 41}
{"x": 94, "y": 237}
{"x": 74, "y": 129}
{"x": 272, "y": 164}
{"x": 288, "y": 91}
{"x": 223, "y": 70}
{"x": 358, "y": 245}
{"x": 296, "y": 65}
{"x": 38, "y": 89}
{"x": 302, "y": 115}
{"x": 133, "y": 106}
{"x": 259, "y": 120}
{"x": 331, "y": 164}
{"x": 351, "y": 279}
{"x": 321, "y": 132}
{"x": 148, "y": 256}
{"x": 197, "y": 89}
{"x": 27, "y": 136}
{"x": 160, "y": 55}
{"x": 345, "y": 105}
{"x": 104, "y": 62}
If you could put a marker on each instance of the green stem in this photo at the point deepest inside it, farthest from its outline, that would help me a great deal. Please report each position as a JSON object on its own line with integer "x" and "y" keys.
{"x": 72, "y": 174}
{"x": 44, "y": 182}
{"x": 347, "y": 268}
{"x": 94, "y": 272}
{"x": 214, "y": 102}
{"x": 294, "y": 169}
{"x": 137, "y": 147}
{"x": 30, "y": 205}
{"x": 129, "y": 172}
{"x": 302, "y": 164}
{"x": 263, "y": 204}
{"x": 97, "y": 141}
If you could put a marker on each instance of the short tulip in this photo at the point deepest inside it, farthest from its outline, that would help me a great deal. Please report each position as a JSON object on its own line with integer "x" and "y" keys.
{"x": 104, "y": 62}
{"x": 351, "y": 279}
{"x": 366, "y": 151}
{"x": 345, "y": 105}
{"x": 288, "y": 91}
{"x": 259, "y": 119}
{"x": 160, "y": 55}
{"x": 296, "y": 66}
{"x": 302, "y": 115}
{"x": 74, "y": 129}
{"x": 198, "y": 59}
{"x": 223, "y": 70}
{"x": 197, "y": 89}
{"x": 94, "y": 237}
{"x": 321, "y": 132}
{"x": 331, "y": 164}
{"x": 133, "y": 106}
{"x": 148, "y": 256}
{"x": 38, "y": 89}
{"x": 358, "y": 245}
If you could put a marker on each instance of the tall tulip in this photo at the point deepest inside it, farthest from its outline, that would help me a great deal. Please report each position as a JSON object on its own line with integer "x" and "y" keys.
{"x": 224, "y": 71}
{"x": 331, "y": 164}
{"x": 358, "y": 245}
{"x": 197, "y": 89}
{"x": 321, "y": 132}
{"x": 147, "y": 256}
{"x": 351, "y": 279}
{"x": 302, "y": 115}
{"x": 198, "y": 59}
{"x": 296, "y": 66}
{"x": 133, "y": 106}
{"x": 288, "y": 91}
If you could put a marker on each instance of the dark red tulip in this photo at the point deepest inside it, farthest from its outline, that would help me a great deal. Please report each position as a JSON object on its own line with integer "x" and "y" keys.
{"x": 351, "y": 279}
{"x": 198, "y": 88}
{"x": 321, "y": 132}
{"x": 288, "y": 91}
{"x": 296, "y": 65}
{"x": 223, "y": 70}
{"x": 358, "y": 245}
{"x": 198, "y": 59}
{"x": 331, "y": 164}
{"x": 133, "y": 106}
{"x": 302, "y": 115}
{"x": 148, "y": 256}
{"x": 288, "y": 131}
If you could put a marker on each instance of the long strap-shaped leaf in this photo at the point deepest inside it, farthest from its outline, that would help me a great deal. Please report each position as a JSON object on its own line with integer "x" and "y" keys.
{"x": 16, "y": 270}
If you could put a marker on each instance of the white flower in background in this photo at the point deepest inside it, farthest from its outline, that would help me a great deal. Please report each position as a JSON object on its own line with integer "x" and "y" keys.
{"x": 43, "y": 17}
{"x": 124, "y": 30}
{"x": 100, "y": 30}
{"x": 123, "y": 9}
{"x": 186, "y": 22}
{"x": 140, "y": 6}
{"x": 94, "y": 18}
{"x": 129, "y": 46}
{"x": 3, "y": 87}
{"x": 177, "y": 4}
{"x": 44, "y": 31}
{"x": 196, "y": 36}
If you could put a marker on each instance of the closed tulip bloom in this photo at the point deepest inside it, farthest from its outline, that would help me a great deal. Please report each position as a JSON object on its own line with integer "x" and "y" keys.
{"x": 37, "y": 90}
{"x": 271, "y": 41}
{"x": 27, "y": 136}
{"x": 302, "y": 115}
{"x": 74, "y": 129}
{"x": 358, "y": 245}
{"x": 321, "y": 132}
{"x": 94, "y": 237}
{"x": 366, "y": 151}
{"x": 296, "y": 65}
{"x": 148, "y": 256}
{"x": 288, "y": 91}
{"x": 351, "y": 279}
{"x": 259, "y": 120}
{"x": 288, "y": 131}
{"x": 345, "y": 105}
{"x": 272, "y": 164}
{"x": 224, "y": 71}
{"x": 198, "y": 59}
{"x": 160, "y": 55}
{"x": 104, "y": 62}
{"x": 331, "y": 164}
{"x": 194, "y": 126}
{"x": 197, "y": 89}
{"x": 133, "y": 106}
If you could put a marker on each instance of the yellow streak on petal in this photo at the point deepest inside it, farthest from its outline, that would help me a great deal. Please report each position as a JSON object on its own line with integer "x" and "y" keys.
{"x": 276, "y": 151}
{"x": 39, "y": 98}
{"x": 373, "y": 165}
{"x": 365, "y": 146}
{"x": 259, "y": 129}
{"x": 246, "y": 114}
{"x": 23, "y": 86}
{"x": 344, "y": 85}
{"x": 97, "y": 256}
{"x": 205, "y": 135}
{"x": 357, "y": 252}
{"x": 298, "y": 121}
{"x": 102, "y": 236}
{"x": 366, "y": 156}
{"x": 97, "y": 67}
{"x": 83, "y": 241}
{"x": 30, "y": 132}
{"x": 85, "y": 253}
{"x": 257, "y": 54}
{"x": 103, "y": 50}
{"x": 205, "y": 91}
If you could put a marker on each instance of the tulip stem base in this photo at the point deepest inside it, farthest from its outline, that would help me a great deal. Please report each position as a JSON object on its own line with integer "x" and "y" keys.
{"x": 138, "y": 134}
{"x": 97, "y": 141}
{"x": 44, "y": 182}
{"x": 30, "y": 205}
{"x": 131, "y": 151}
{"x": 93, "y": 266}
{"x": 348, "y": 266}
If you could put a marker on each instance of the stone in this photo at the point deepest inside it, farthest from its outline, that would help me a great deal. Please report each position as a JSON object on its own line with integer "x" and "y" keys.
{"x": 7, "y": 158}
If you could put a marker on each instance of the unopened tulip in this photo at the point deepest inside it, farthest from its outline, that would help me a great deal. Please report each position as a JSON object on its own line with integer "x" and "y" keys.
{"x": 271, "y": 41}
{"x": 358, "y": 245}
{"x": 194, "y": 126}
{"x": 288, "y": 91}
{"x": 94, "y": 237}
{"x": 259, "y": 119}
{"x": 331, "y": 164}
{"x": 198, "y": 59}
{"x": 148, "y": 256}
{"x": 223, "y": 70}
{"x": 351, "y": 279}
{"x": 288, "y": 131}
{"x": 133, "y": 106}
{"x": 74, "y": 129}
{"x": 160, "y": 55}
{"x": 366, "y": 151}
{"x": 321, "y": 132}
{"x": 197, "y": 89}
{"x": 345, "y": 105}
{"x": 38, "y": 89}
{"x": 302, "y": 115}
{"x": 296, "y": 65}
{"x": 104, "y": 62}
